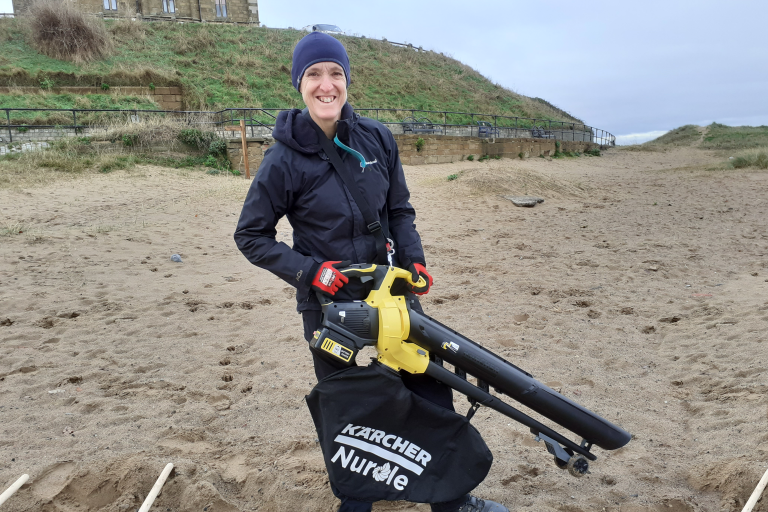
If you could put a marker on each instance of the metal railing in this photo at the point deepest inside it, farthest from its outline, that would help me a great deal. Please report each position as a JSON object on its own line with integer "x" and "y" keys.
{"x": 80, "y": 120}
{"x": 499, "y": 126}
{"x": 260, "y": 122}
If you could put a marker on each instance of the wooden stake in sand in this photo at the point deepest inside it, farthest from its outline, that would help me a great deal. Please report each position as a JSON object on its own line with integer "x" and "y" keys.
{"x": 13, "y": 488}
{"x": 245, "y": 149}
{"x": 242, "y": 129}
{"x": 156, "y": 488}
{"x": 755, "y": 494}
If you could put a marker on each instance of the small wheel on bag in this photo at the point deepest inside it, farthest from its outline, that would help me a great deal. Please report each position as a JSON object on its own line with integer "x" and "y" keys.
{"x": 578, "y": 466}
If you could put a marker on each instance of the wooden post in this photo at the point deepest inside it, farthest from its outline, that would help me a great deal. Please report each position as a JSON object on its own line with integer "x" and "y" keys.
{"x": 245, "y": 149}
{"x": 242, "y": 129}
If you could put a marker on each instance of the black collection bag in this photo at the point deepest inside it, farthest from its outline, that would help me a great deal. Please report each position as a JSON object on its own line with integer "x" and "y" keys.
{"x": 380, "y": 441}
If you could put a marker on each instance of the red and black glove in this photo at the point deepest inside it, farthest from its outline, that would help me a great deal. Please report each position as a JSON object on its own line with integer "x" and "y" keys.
{"x": 328, "y": 279}
{"x": 418, "y": 270}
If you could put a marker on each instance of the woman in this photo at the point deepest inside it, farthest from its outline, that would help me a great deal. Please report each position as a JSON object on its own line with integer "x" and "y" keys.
{"x": 297, "y": 179}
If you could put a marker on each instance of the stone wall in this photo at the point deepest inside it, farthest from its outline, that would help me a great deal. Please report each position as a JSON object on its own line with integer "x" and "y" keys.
{"x": 89, "y": 6}
{"x": 257, "y": 146}
{"x": 237, "y": 10}
{"x": 441, "y": 149}
{"x": 168, "y": 98}
{"x": 183, "y": 9}
{"x": 44, "y": 134}
{"x": 504, "y": 133}
{"x": 253, "y": 7}
{"x": 436, "y": 150}
{"x": 446, "y": 149}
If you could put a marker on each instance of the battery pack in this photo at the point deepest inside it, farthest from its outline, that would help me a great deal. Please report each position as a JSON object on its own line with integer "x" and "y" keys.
{"x": 333, "y": 347}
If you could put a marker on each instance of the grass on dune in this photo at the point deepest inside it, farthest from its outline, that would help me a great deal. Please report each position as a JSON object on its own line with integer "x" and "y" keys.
{"x": 751, "y": 158}
{"x": 749, "y": 142}
{"x": 684, "y": 136}
{"x": 18, "y": 99}
{"x": 237, "y": 66}
{"x": 722, "y": 137}
{"x": 746, "y": 147}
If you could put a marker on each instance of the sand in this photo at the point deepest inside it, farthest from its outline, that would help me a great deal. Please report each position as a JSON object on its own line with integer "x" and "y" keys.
{"x": 639, "y": 288}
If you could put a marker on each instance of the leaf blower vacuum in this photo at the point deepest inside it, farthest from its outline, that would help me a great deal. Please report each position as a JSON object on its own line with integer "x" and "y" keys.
{"x": 404, "y": 340}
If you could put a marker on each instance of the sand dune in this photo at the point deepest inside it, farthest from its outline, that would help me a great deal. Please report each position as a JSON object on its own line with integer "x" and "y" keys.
{"x": 639, "y": 288}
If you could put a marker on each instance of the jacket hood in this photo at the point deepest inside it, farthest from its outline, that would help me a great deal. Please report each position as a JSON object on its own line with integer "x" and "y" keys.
{"x": 293, "y": 129}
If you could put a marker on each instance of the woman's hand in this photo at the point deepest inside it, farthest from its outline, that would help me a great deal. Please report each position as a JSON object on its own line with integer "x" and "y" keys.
{"x": 328, "y": 279}
{"x": 418, "y": 270}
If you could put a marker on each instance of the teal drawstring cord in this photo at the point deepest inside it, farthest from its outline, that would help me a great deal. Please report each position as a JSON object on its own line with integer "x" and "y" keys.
{"x": 351, "y": 152}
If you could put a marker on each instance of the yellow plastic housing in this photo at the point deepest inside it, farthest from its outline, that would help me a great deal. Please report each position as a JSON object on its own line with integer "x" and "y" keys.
{"x": 394, "y": 327}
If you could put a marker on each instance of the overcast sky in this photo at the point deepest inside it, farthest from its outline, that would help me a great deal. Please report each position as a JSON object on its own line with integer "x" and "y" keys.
{"x": 629, "y": 67}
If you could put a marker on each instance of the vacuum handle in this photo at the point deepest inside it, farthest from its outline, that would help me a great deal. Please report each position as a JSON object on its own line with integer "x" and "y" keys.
{"x": 367, "y": 271}
{"x": 358, "y": 270}
{"x": 421, "y": 283}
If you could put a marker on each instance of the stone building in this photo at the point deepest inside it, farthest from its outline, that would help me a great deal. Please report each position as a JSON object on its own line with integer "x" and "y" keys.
{"x": 237, "y": 11}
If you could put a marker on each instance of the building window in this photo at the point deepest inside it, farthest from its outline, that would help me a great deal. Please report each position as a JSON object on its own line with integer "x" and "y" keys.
{"x": 221, "y": 8}
{"x": 110, "y": 5}
{"x": 169, "y": 6}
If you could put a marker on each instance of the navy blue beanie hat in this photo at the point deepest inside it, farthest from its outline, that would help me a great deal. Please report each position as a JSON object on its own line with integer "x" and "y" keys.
{"x": 317, "y": 47}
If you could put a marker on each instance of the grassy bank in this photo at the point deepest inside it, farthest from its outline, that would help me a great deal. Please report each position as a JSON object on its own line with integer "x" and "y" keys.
{"x": 220, "y": 66}
{"x": 740, "y": 147}
{"x": 684, "y": 136}
{"x": 719, "y": 136}
{"x": 68, "y": 101}
{"x": 72, "y": 158}
{"x": 714, "y": 136}
{"x": 755, "y": 158}
{"x": 155, "y": 140}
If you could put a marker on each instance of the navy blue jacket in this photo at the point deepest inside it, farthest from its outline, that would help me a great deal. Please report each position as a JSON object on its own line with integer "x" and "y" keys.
{"x": 296, "y": 179}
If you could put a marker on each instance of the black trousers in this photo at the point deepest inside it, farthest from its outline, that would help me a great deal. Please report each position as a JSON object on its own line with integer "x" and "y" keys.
{"x": 422, "y": 385}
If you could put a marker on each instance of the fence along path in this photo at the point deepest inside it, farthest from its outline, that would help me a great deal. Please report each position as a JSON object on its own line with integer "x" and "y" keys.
{"x": 27, "y": 124}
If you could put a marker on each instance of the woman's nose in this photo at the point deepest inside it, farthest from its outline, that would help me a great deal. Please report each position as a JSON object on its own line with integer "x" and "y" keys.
{"x": 326, "y": 83}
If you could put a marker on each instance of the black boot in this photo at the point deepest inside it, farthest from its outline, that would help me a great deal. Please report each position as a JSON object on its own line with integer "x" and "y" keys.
{"x": 478, "y": 505}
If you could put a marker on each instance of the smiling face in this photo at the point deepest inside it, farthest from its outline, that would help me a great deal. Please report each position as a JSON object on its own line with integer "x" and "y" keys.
{"x": 324, "y": 90}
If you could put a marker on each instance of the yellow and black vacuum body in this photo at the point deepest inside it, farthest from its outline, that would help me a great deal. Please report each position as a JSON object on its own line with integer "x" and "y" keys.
{"x": 410, "y": 341}
{"x": 347, "y": 328}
